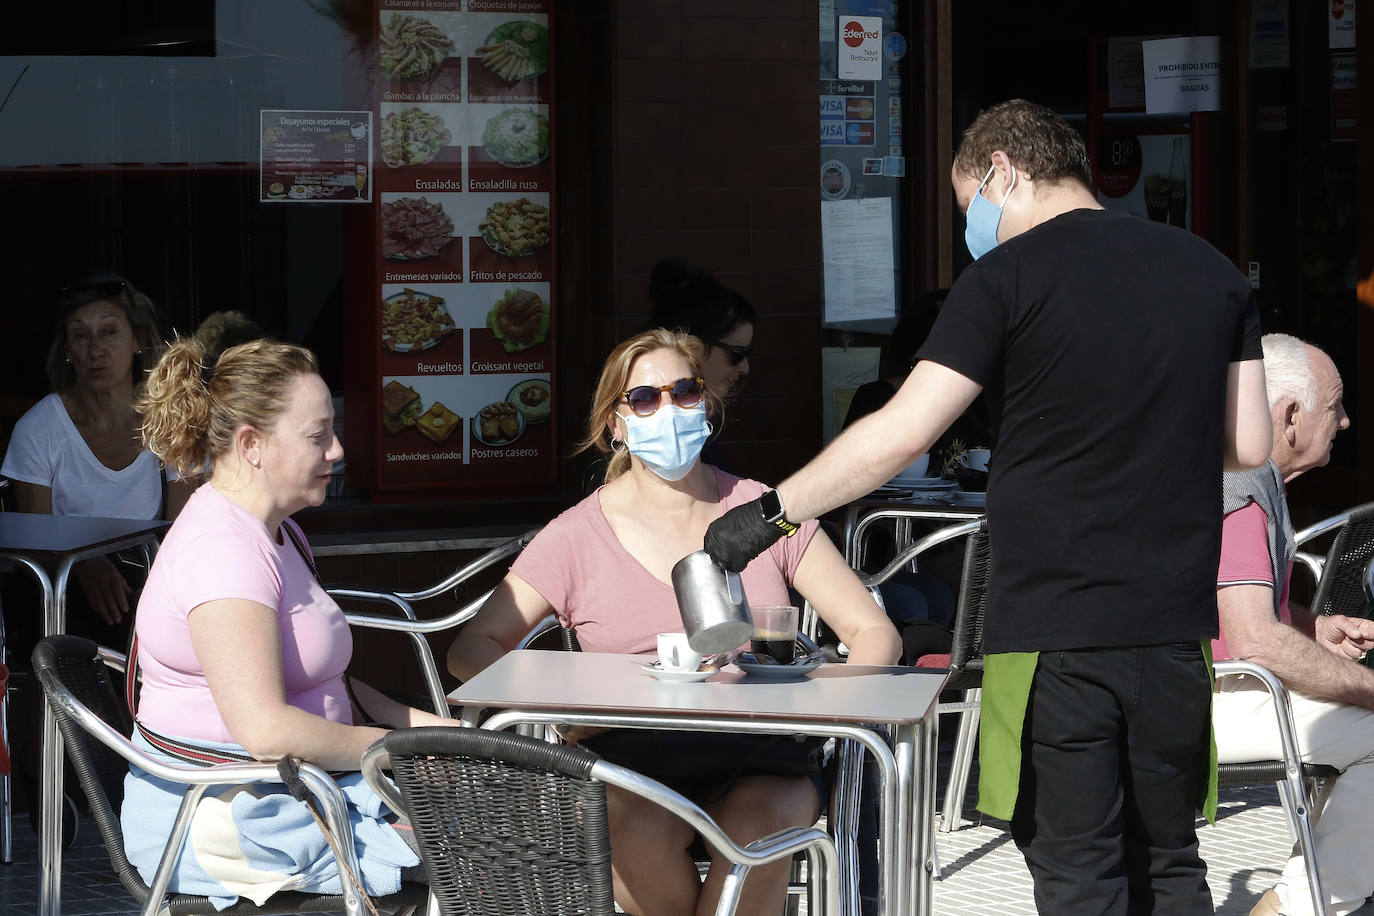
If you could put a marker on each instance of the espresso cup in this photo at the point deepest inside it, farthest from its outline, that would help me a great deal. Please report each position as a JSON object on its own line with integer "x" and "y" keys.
{"x": 676, "y": 654}
{"x": 775, "y": 632}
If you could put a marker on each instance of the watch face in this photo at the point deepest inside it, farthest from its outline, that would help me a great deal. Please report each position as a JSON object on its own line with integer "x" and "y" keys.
{"x": 772, "y": 505}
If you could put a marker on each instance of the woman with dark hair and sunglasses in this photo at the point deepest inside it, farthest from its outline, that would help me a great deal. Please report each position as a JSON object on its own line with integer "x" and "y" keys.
{"x": 604, "y": 568}
{"x": 723, "y": 320}
{"x": 78, "y": 451}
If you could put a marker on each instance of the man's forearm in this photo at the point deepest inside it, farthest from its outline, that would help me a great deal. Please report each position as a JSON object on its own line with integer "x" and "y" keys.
{"x": 1303, "y": 664}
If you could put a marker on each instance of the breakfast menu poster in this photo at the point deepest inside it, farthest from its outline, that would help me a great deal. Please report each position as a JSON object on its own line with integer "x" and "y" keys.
{"x": 465, "y": 229}
{"x": 322, "y": 156}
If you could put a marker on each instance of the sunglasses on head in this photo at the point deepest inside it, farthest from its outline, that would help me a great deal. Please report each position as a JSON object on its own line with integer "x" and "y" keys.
{"x": 738, "y": 352}
{"x": 645, "y": 400}
{"x": 103, "y": 289}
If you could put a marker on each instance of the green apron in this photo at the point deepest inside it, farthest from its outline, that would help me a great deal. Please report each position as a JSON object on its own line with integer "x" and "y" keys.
{"x": 1007, "y": 678}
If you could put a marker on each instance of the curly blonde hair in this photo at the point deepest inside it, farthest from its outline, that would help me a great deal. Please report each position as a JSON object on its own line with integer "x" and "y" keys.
{"x": 610, "y": 390}
{"x": 191, "y": 409}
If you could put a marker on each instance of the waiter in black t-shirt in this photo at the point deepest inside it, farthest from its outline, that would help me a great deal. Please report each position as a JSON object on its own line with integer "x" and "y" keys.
{"x": 1122, "y": 357}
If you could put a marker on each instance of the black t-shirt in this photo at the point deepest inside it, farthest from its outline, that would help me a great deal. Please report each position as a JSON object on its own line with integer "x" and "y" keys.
{"x": 1102, "y": 341}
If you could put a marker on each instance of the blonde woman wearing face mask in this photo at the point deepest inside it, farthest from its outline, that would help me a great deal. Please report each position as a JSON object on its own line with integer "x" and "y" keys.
{"x": 604, "y": 568}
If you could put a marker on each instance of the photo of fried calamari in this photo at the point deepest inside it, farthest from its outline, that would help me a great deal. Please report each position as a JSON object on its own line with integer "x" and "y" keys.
{"x": 516, "y": 227}
{"x": 413, "y": 320}
{"x": 412, "y": 47}
{"x": 498, "y": 424}
{"x": 519, "y": 319}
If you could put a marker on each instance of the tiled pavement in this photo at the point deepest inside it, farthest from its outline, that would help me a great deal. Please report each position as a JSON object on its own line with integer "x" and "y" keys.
{"x": 982, "y": 871}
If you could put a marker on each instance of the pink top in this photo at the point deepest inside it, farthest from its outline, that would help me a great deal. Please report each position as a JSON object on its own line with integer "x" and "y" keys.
{"x": 596, "y": 587}
{"x": 217, "y": 550}
{"x": 1245, "y": 561}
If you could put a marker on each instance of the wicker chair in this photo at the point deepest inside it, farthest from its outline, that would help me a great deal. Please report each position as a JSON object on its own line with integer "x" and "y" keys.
{"x": 1341, "y": 584}
{"x": 95, "y": 725}
{"x": 508, "y": 824}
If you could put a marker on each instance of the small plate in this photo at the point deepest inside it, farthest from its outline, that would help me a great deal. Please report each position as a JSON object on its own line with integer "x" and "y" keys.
{"x": 962, "y": 498}
{"x": 889, "y": 491}
{"x": 654, "y": 669}
{"x": 777, "y": 672}
{"x": 476, "y": 424}
{"x": 924, "y": 483}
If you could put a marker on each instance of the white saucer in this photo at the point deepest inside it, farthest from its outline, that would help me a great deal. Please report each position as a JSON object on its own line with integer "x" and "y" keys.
{"x": 675, "y": 677}
{"x": 924, "y": 483}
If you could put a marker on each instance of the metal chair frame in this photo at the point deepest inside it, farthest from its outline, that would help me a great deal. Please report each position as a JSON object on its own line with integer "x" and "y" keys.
{"x": 540, "y": 638}
{"x": 415, "y": 629}
{"x": 966, "y": 666}
{"x": 1295, "y": 779}
{"x": 79, "y": 725}
{"x": 818, "y": 846}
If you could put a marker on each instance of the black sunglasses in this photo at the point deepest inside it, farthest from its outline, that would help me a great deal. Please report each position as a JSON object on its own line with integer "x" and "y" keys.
{"x": 645, "y": 400}
{"x": 101, "y": 289}
{"x": 738, "y": 352}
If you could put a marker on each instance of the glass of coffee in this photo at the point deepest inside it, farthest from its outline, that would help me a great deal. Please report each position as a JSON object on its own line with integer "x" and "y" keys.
{"x": 775, "y": 633}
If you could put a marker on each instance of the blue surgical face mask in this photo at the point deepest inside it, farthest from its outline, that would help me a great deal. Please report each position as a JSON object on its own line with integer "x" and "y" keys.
{"x": 983, "y": 217}
{"x": 669, "y": 440}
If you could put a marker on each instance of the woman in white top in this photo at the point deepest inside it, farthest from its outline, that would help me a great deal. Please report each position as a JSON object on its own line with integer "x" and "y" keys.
{"x": 78, "y": 451}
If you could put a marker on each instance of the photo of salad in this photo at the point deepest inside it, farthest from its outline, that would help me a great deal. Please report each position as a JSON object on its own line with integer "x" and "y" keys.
{"x": 517, "y": 137}
{"x": 412, "y": 137}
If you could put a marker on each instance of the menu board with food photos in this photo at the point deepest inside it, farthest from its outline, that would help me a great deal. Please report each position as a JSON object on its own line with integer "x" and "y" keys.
{"x": 464, "y": 179}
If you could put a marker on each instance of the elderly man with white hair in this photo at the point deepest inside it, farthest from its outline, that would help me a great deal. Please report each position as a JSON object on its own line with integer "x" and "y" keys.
{"x": 1316, "y": 657}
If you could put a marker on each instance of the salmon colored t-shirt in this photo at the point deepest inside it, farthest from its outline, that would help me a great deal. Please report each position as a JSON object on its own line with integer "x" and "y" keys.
{"x": 1245, "y": 561}
{"x": 597, "y": 588}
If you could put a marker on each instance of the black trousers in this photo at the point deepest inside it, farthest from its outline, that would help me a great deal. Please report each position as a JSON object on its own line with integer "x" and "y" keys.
{"x": 1113, "y": 765}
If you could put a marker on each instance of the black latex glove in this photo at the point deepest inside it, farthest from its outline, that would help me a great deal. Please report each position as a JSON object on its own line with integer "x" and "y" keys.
{"x": 740, "y": 535}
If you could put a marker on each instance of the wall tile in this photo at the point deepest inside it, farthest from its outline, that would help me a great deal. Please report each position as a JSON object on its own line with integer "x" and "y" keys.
{"x": 657, "y": 80}
{"x": 648, "y": 38}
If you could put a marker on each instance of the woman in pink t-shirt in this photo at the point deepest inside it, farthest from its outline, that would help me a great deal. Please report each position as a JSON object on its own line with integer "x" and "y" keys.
{"x": 604, "y": 568}
{"x": 242, "y": 651}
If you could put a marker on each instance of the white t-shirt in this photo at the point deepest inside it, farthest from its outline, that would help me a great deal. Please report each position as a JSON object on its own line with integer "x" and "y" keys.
{"x": 46, "y": 449}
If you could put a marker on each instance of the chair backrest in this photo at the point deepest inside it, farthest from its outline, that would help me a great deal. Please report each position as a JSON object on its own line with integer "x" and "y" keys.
{"x": 76, "y": 665}
{"x": 1341, "y": 589}
{"x": 549, "y": 634}
{"x": 966, "y": 652}
{"x": 505, "y": 824}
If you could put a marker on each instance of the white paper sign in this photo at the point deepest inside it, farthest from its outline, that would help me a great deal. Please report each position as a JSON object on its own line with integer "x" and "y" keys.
{"x": 1125, "y": 73}
{"x": 859, "y": 47}
{"x": 1341, "y": 24}
{"x": 1182, "y": 74}
{"x": 856, "y": 244}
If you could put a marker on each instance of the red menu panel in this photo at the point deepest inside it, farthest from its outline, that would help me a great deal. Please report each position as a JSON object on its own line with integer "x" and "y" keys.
{"x": 465, "y": 237}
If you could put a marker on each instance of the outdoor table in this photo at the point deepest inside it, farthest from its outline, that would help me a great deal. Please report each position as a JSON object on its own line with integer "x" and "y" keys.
{"x": 34, "y": 541}
{"x": 835, "y": 701}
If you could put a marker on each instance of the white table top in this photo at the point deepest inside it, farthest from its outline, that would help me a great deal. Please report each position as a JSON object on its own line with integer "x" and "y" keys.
{"x": 22, "y": 532}
{"x": 588, "y": 682}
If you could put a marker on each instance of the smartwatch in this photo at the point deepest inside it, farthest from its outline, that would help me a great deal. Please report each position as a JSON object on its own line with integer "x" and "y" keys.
{"x": 770, "y": 505}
